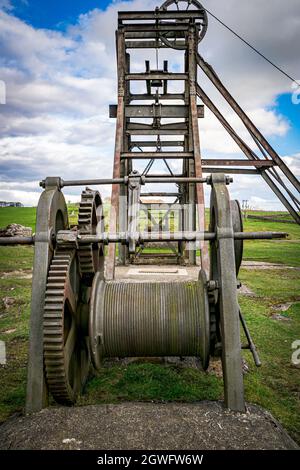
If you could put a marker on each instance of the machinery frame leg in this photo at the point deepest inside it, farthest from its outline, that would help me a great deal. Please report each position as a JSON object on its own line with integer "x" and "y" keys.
{"x": 223, "y": 270}
{"x": 52, "y": 215}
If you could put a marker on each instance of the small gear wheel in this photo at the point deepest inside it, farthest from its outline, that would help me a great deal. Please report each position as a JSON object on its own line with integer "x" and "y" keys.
{"x": 90, "y": 221}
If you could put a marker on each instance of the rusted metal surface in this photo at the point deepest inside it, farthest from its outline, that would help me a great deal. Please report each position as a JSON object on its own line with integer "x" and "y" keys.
{"x": 119, "y": 146}
{"x": 196, "y": 144}
{"x": 149, "y": 319}
{"x": 161, "y": 14}
{"x": 163, "y": 111}
{"x": 228, "y": 162}
{"x": 157, "y": 155}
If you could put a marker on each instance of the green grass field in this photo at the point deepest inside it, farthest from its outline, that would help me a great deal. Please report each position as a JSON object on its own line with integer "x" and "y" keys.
{"x": 275, "y": 386}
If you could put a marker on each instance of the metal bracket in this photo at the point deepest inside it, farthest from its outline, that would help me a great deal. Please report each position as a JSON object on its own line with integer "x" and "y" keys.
{"x": 224, "y": 233}
{"x": 134, "y": 192}
{"x": 52, "y": 182}
{"x": 45, "y": 237}
{"x": 67, "y": 238}
{"x": 219, "y": 178}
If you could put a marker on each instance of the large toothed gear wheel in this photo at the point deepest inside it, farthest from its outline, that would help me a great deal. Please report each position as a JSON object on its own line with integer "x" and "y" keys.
{"x": 66, "y": 352}
{"x": 90, "y": 220}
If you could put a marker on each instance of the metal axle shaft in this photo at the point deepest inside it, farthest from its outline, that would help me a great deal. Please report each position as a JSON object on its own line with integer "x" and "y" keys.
{"x": 141, "y": 237}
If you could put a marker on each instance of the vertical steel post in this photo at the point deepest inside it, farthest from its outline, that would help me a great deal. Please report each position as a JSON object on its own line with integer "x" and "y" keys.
{"x": 125, "y": 169}
{"x": 119, "y": 143}
{"x": 200, "y": 202}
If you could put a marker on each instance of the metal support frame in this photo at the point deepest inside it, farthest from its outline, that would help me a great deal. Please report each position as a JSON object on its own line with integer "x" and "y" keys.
{"x": 133, "y": 33}
{"x": 119, "y": 145}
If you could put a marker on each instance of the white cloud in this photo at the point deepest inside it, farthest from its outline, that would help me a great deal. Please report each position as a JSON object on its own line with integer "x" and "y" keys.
{"x": 59, "y": 86}
{"x": 29, "y": 198}
{"x": 293, "y": 162}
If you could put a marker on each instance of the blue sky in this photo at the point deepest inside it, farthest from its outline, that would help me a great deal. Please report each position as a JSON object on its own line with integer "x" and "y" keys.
{"x": 58, "y": 64}
{"x": 291, "y": 141}
{"x": 55, "y": 14}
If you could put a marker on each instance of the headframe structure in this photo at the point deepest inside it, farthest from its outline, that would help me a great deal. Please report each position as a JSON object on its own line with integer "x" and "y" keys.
{"x": 173, "y": 132}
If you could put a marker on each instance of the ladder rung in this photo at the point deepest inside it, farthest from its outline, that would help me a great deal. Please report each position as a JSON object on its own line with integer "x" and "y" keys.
{"x": 175, "y": 128}
{"x": 159, "y": 255}
{"x": 161, "y": 14}
{"x": 157, "y": 155}
{"x": 225, "y": 162}
{"x": 157, "y": 111}
{"x": 152, "y": 27}
{"x": 163, "y": 96}
{"x": 160, "y": 131}
{"x": 153, "y": 143}
{"x": 178, "y": 34}
{"x": 150, "y": 45}
{"x": 163, "y": 206}
{"x": 161, "y": 194}
{"x": 156, "y": 76}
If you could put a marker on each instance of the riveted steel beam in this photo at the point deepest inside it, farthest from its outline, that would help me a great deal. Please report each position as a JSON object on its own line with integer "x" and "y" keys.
{"x": 157, "y": 155}
{"x": 160, "y": 15}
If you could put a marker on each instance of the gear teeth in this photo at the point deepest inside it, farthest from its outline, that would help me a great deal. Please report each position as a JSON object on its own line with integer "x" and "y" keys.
{"x": 90, "y": 200}
{"x": 54, "y": 329}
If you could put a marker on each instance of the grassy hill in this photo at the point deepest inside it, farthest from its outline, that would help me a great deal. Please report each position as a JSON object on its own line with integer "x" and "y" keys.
{"x": 18, "y": 215}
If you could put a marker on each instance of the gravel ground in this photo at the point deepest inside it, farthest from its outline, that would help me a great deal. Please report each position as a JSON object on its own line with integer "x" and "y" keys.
{"x": 146, "y": 426}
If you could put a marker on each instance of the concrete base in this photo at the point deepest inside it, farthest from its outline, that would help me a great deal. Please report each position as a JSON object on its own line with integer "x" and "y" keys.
{"x": 146, "y": 426}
